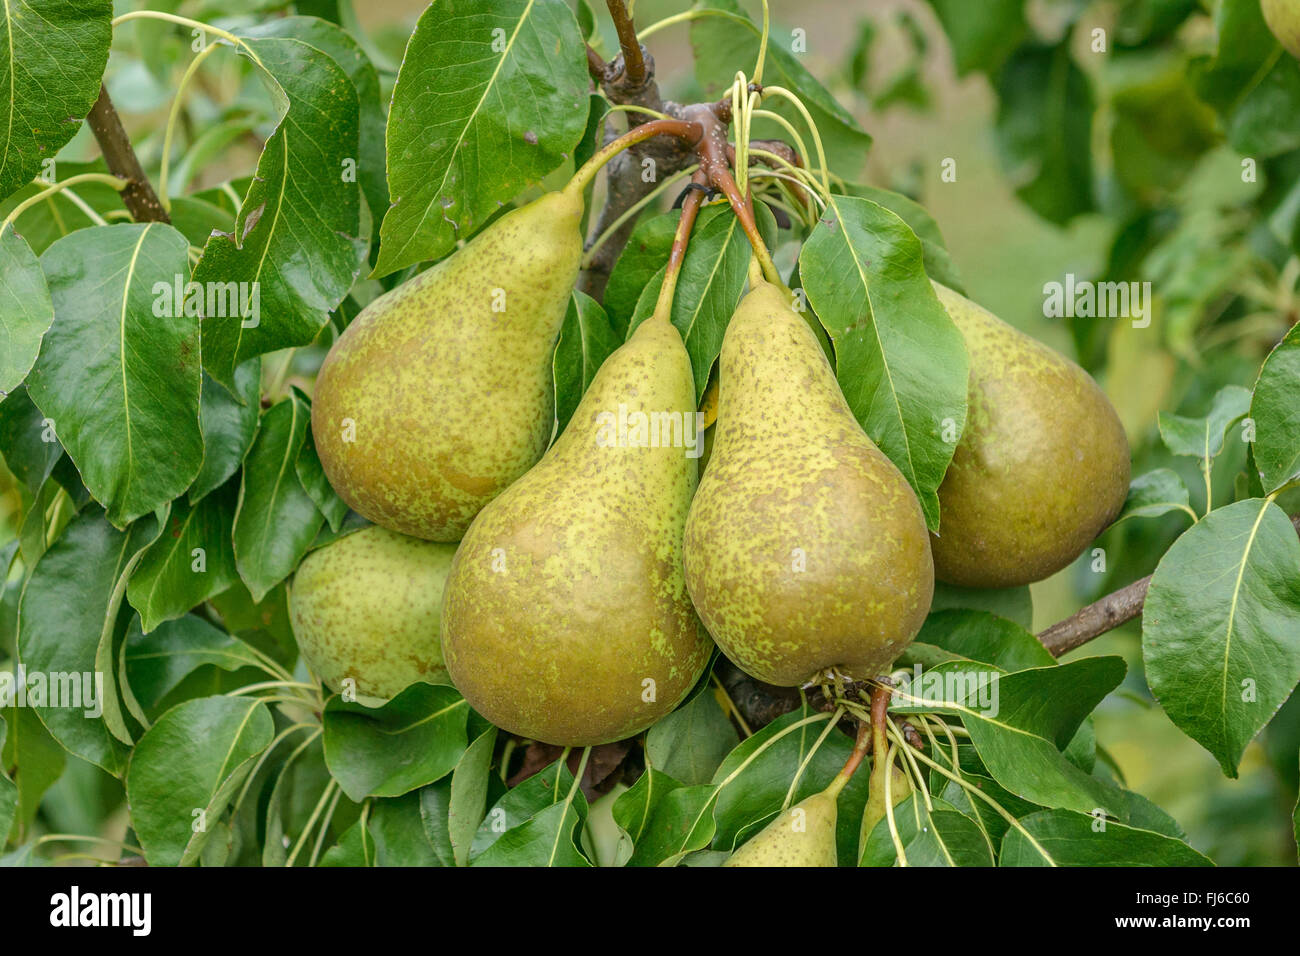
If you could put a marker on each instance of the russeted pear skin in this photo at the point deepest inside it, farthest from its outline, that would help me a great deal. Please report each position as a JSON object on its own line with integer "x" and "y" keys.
{"x": 805, "y": 547}
{"x": 368, "y": 607}
{"x": 1283, "y": 19}
{"x": 566, "y": 618}
{"x": 804, "y": 835}
{"x": 1042, "y": 466}
{"x": 438, "y": 395}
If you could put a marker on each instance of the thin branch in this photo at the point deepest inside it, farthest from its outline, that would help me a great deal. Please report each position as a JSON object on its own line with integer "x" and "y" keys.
{"x": 634, "y": 65}
{"x": 1103, "y": 615}
{"x": 138, "y": 196}
{"x": 596, "y": 65}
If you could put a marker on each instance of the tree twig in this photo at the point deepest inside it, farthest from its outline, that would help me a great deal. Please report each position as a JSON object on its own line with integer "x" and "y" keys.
{"x": 634, "y": 65}
{"x": 1103, "y": 615}
{"x": 138, "y": 196}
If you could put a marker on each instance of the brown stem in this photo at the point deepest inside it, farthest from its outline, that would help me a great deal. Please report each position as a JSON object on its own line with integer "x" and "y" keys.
{"x": 634, "y": 66}
{"x": 690, "y": 209}
{"x": 596, "y": 65}
{"x": 138, "y": 196}
{"x": 1103, "y": 615}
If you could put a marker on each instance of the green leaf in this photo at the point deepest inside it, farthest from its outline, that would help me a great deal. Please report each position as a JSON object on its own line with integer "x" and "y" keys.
{"x": 157, "y": 662}
{"x": 25, "y": 309}
{"x": 1015, "y": 604}
{"x": 981, "y": 35}
{"x": 753, "y": 784}
{"x": 1065, "y": 838}
{"x": 297, "y": 242}
{"x": 469, "y": 790}
{"x": 229, "y": 423}
{"x": 192, "y": 760}
{"x": 1019, "y": 724}
{"x": 192, "y": 560}
{"x": 586, "y": 340}
{"x": 986, "y": 638}
{"x": 943, "y": 836}
{"x": 41, "y": 759}
{"x": 27, "y": 440}
{"x": 642, "y": 259}
{"x": 276, "y": 519}
{"x": 416, "y": 738}
{"x": 691, "y": 742}
{"x": 547, "y": 839}
{"x": 1275, "y": 410}
{"x": 311, "y": 475}
{"x": 52, "y": 57}
{"x": 724, "y": 44}
{"x": 1044, "y": 130}
{"x": 491, "y": 96}
{"x": 938, "y": 264}
{"x": 1155, "y": 493}
{"x": 538, "y": 817}
{"x": 1252, "y": 82}
{"x": 398, "y": 833}
{"x": 435, "y": 814}
{"x": 119, "y": 369}
{"x": 900, "y": 360}
{"x": 344, "y": 50}
{"x": 68, "y": 624}
{"x": 1204, "y": 437}
{"x": 299, "y": 784}
{"x": 1220, "y": 623}
{"x": 8, "y": 793}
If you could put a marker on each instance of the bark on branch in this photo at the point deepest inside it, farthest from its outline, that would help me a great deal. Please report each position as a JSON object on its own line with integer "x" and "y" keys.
{"x": 138, "y": 196}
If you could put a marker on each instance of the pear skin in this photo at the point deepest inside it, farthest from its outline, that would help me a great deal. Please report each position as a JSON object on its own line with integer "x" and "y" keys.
{"x": 368, "y": 607}
{"x": 566, "y": 618}
{"x": 1041, "y": 469}
{"x": 439, "y": 394}
{"x": 804, "y": 835}
{"x": 805, "y": 549}
{"x": 1283, "y": 19}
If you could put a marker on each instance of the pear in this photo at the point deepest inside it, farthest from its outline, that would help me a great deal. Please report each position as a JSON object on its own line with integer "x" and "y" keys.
{"x": 1283, "y": 18}
{"x": 438, "y": 395}
{"x": 805, "y": 547}
{"x": 1041, "y": 469}
{"x": 367, "y": 607}
{"x": 566, "y": 618}
{"x": 804, "y": 835}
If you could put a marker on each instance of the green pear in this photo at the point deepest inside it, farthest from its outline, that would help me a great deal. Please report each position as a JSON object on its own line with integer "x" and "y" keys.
{"x": 1283, "y": 18}
{"x": 367, "y": 607}
{"x": 1041, "y": 469}
{"x": 566, "y": 618}
{"x": 805, "y": 547}
{"x": 439, "y": 395}
{"x": 804, "y": 835}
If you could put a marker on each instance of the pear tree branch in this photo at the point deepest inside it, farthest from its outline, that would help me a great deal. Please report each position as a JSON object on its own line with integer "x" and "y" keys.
{"x": 1103, "y": 615}
{"x": 138, "y": 196}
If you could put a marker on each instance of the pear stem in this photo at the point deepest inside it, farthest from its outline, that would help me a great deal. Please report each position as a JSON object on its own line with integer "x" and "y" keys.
{"x": 744, "y": 209}
{"x": 876, "y": 801}
{"x": 108, "y": 180}
{"x": 690, "y": 209}
{"x": 683, "y": 129}
{"x": 860, "y": 747}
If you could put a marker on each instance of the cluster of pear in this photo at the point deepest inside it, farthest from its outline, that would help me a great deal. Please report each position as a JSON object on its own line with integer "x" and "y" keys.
{"x": 591, "y": 579}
